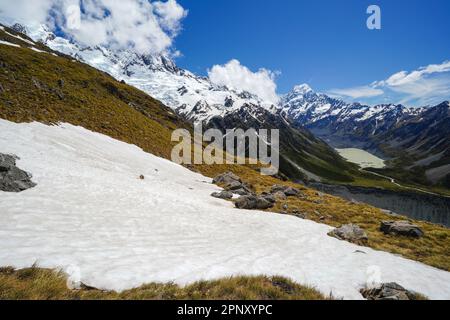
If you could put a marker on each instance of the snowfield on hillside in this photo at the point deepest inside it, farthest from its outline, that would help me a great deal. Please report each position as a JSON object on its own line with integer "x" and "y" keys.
{"x": 91, "y": 215}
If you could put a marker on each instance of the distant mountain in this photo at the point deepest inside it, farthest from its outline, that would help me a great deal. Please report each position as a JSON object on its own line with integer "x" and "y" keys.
{"x": 413, "y": 138}
{"x": 422, "y": 142}
{"x": 340, "y": 123}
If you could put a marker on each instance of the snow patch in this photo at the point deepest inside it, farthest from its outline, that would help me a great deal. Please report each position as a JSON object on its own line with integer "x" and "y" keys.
{"x": 9, "y": 44}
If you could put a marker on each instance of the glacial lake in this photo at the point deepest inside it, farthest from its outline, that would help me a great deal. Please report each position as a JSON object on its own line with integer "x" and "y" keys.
{"x": 361, "y": 157}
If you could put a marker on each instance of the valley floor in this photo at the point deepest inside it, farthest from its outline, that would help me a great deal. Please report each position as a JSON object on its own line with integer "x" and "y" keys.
{"x": 92, "y": 216}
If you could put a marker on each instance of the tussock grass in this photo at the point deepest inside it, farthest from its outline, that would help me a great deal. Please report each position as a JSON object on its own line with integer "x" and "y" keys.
{"x": 45, "y": 284}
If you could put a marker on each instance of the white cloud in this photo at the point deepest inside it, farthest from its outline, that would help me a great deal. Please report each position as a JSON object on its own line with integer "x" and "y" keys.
{"x": 145, "y": 26}
{"x": 357, "y": 92}
{"x": 404, "y": 78}
{"x": 236, "y": 76}
{"x": 425, "y": 86}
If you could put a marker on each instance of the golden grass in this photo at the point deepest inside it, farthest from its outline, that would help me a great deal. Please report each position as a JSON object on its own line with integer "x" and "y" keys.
{"x": 44, "y": 284}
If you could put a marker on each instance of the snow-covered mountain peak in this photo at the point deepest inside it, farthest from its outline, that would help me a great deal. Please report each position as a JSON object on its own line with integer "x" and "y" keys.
{"x": 192, "y": 96}
{"x": 302, "y": 89}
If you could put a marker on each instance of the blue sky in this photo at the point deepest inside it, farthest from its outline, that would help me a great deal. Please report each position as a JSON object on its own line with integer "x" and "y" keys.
{"x": 268, "y": 47}
{"x": 324, "y": 43}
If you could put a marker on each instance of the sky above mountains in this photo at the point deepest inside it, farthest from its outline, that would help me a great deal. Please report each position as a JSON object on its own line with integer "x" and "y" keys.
{"x": 267, "y": 47}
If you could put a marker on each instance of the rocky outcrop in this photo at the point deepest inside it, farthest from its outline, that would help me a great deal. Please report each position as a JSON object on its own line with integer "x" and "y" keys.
{"x": 401, "y": 228}
{"x": 232, "y": 183}
{"x": 351, "y": 233}
{"x": 390, "y": 291}
{"x": 13, "y": 179}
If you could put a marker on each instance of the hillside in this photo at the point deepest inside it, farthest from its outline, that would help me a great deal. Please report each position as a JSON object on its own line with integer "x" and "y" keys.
{"x": 42, "y": 87}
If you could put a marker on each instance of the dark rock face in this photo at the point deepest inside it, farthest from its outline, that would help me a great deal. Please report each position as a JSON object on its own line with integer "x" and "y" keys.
{"x": 401, "y": 228}
{"x": 12, "y": 179}
{"x": 389, "y": 291}
{"x": 351, "y": 233}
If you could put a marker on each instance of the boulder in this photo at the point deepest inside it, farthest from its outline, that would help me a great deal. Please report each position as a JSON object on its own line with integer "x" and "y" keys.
{"x": 288, "y": 191}
{"x": 251, "y": 202}
{"x": 401, "y": 228}
{"x": 231, "y": 182}
{"x": 13, "y": 179}
{"x": 233, "y": 185}
{"x": 226, "y": 178}
{"x": 389, "y": 291}
{"x": 269, "y": 197}
{"x": 242, "y": 192}
{"x": 280, "y": 195}
{"x": 226, "y": 195}
{"x": 351, "y": 233}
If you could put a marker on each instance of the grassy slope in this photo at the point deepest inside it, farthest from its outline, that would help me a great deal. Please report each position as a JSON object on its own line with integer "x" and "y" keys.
{"x": 97, "y": 102}
{"x": 43, "y": 284}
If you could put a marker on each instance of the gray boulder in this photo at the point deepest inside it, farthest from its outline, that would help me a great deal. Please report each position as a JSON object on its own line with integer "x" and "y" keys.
{"x": 401, "y": 228}
{"x": 231, "y": 182}
{"x": 280, "y": 195}
{"x": 351, "y": 233}
{"x": 251, "y": 202}
{"x": 226, "y": 178}
{"x": 269, "y": 197}
{"x": 390, "y": 291}
{"x": 288, "y": 191}
{"x": 12, "y": 179}
{"x": 226, "y": 195}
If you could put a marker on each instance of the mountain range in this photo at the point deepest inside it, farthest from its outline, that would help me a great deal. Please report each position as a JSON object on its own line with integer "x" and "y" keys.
{"x": 414, "y": 140}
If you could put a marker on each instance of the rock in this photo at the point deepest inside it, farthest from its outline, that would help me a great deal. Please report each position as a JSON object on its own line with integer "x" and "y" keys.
{"x": 251, "y": 202}
{"x": 61, "y": 83}
{"x": 285, "y": 207}
{"x": 233, "y": 185}
{"x": 300, "y": 215}
{"x": 12, "y": 179}
{"x": 226, "y": 195}
{"x": 231, "y": 182}
{"x": 291, "y": 192}
{"x": 36, "y": 83}
{"x": 288, "y": 191}
{"x": 280, "y": 195}
{"x": 142, "y": 177}
{"x": 389, "y": 291}
{"x": 401, "y": 228}
{"x": 242, "y": 192}
{"x": 226, "y": 178}
{"x": 262, "y": 204}
{"x": 269, "y": 197}
{"x": 351, "y": 233}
